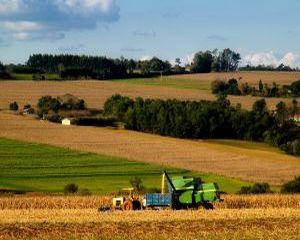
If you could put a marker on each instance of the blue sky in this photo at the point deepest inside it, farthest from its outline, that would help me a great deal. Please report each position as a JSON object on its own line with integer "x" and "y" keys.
{"x": 263, "y": 31}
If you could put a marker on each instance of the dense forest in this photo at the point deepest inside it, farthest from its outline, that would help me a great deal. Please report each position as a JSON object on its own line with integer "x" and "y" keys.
{"x": 208, "y": 119}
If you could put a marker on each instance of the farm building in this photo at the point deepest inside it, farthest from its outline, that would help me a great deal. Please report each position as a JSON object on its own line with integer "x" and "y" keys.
{"x": 66, "y": 121}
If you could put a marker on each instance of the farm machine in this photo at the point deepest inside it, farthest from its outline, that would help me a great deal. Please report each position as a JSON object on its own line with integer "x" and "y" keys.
{"x": 176, "y": 193}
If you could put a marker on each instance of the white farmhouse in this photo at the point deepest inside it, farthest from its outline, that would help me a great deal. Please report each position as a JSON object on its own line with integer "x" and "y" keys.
{"x": 66, "y": 121}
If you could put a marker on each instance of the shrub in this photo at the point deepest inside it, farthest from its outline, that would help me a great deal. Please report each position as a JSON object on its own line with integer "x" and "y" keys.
{"x": 85, "y": 192}
{"x": 53, "y": 117}
{"x": 71, "y": 188}
{"x": 292, "y": 186}
{"x": 137, "y": 184}
{"x": 14, "y": 106}
{"x": 257, "y": 188}
{"x": 218, "y": 86}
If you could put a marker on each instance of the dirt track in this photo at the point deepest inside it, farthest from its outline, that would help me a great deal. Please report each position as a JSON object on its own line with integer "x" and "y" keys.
{"x": 248, "y": 164}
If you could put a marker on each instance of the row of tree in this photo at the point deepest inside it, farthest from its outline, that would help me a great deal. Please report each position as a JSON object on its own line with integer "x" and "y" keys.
{"x": 97, "y": 67}
{"x": 232, "y": 87}
{"x": 261, "y": 67}
{"x": 223, "y": 61}
{"x": 207, "y": 119}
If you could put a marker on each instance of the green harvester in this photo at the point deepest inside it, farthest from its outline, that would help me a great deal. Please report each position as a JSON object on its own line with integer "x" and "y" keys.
{"x": 182, "y": 193}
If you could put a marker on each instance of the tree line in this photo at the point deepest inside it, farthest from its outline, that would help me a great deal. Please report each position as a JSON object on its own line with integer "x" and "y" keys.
{"x": 99, "y": 67}
{"x": 261, "y": 67}
{"x": 232, "y": 87}
{"x": 207, "y": 120}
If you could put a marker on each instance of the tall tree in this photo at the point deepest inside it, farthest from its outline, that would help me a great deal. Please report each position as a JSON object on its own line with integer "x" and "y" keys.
{"x": 2, "y": 68}
{"x": 282, "y": 113}
{"x": 202, "y": 62}
{"x": 227, "y": 61}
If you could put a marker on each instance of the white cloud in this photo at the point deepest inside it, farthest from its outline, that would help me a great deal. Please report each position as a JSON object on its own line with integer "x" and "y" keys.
{"x": 21, "y": 36}
{"x": 9, "y": 6}
{"x": 146, "y": 58}
{"x": 51, "y": 19}
{"x": 21, "y": 26}
{"x": 85, "y": 6}
{"x": 269, "y": 58}
{"x": 290, "y": 59}
{"x": 188, "y": 59}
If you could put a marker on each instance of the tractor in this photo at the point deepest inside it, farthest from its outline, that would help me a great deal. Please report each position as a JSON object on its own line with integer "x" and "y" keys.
{"x": 128, "y": 201}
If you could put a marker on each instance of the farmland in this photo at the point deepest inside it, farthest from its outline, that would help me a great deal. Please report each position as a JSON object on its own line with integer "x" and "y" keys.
{"x": 270, "y": 216}
{"x": 246, "y": 161}
{"x": 183, "y": 87}
{"x": 204, "y": 80}
{"x": 42, "y": 168}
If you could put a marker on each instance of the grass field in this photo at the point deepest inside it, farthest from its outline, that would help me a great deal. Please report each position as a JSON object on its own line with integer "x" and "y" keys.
{"x": 42, "y": 168}
{"x": 238, "y": 217}
{"x": 251, "y": 162}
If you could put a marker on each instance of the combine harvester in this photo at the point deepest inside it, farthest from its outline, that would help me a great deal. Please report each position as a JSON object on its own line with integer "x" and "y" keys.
{"x": 177, "y": 193}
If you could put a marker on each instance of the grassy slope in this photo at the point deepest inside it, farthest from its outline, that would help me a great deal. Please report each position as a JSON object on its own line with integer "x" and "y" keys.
{"x": 180, "y": 83}
{"x": 43, "y": 168}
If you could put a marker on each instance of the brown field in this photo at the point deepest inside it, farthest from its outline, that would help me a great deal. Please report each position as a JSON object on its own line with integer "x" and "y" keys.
{"x": 82, "y": 220}
{"x": 281, "y": 78}
{"x": 258, "y": 164}
{"x": 96, "y": 92}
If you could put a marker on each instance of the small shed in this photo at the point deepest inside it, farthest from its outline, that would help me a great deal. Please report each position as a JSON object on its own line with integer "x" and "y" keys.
{"x": 66, "y": 121}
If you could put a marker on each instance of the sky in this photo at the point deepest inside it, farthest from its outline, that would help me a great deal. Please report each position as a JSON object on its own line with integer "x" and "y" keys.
{"x": 263, "y": 31}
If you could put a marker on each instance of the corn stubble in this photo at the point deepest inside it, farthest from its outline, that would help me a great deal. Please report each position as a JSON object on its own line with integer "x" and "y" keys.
{"x": 67, "y": 217}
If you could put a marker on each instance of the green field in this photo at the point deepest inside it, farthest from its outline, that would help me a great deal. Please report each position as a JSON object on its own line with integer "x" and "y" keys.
{"x": 48, "y": 76}
{"x": 43, "y": 168}
{"x": 180, "y": 83}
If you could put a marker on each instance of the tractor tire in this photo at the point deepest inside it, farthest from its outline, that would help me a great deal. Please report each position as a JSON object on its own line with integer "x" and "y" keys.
{"x": 127, "y": 206}
{"x": 136, "y": 205}
{"x": 208, "y": 206}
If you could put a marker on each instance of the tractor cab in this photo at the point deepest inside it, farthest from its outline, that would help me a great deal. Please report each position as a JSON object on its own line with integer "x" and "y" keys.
{"x": 128, "y": 200}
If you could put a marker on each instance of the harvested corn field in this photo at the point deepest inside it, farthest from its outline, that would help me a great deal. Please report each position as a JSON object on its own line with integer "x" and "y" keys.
{"x": 58, "y": 217}
{"x": 28, "y": 202}
{"x": 46, "y": 217}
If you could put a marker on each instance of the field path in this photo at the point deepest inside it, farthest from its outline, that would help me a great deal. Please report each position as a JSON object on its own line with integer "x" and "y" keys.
{"x": 247, "y": 164}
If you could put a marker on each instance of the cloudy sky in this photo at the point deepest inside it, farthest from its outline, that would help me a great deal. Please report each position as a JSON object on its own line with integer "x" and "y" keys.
{"x": 263, "y": 31}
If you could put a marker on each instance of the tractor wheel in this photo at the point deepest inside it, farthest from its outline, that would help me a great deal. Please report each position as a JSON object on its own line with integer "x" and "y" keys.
{"x": 128, "y": 206}
{"x": 208, "y": 206}
{"x": 136, "y": 205}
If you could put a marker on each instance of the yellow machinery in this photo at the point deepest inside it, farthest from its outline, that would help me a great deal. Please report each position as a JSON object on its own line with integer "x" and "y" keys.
{"x": 129, "y": 201}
